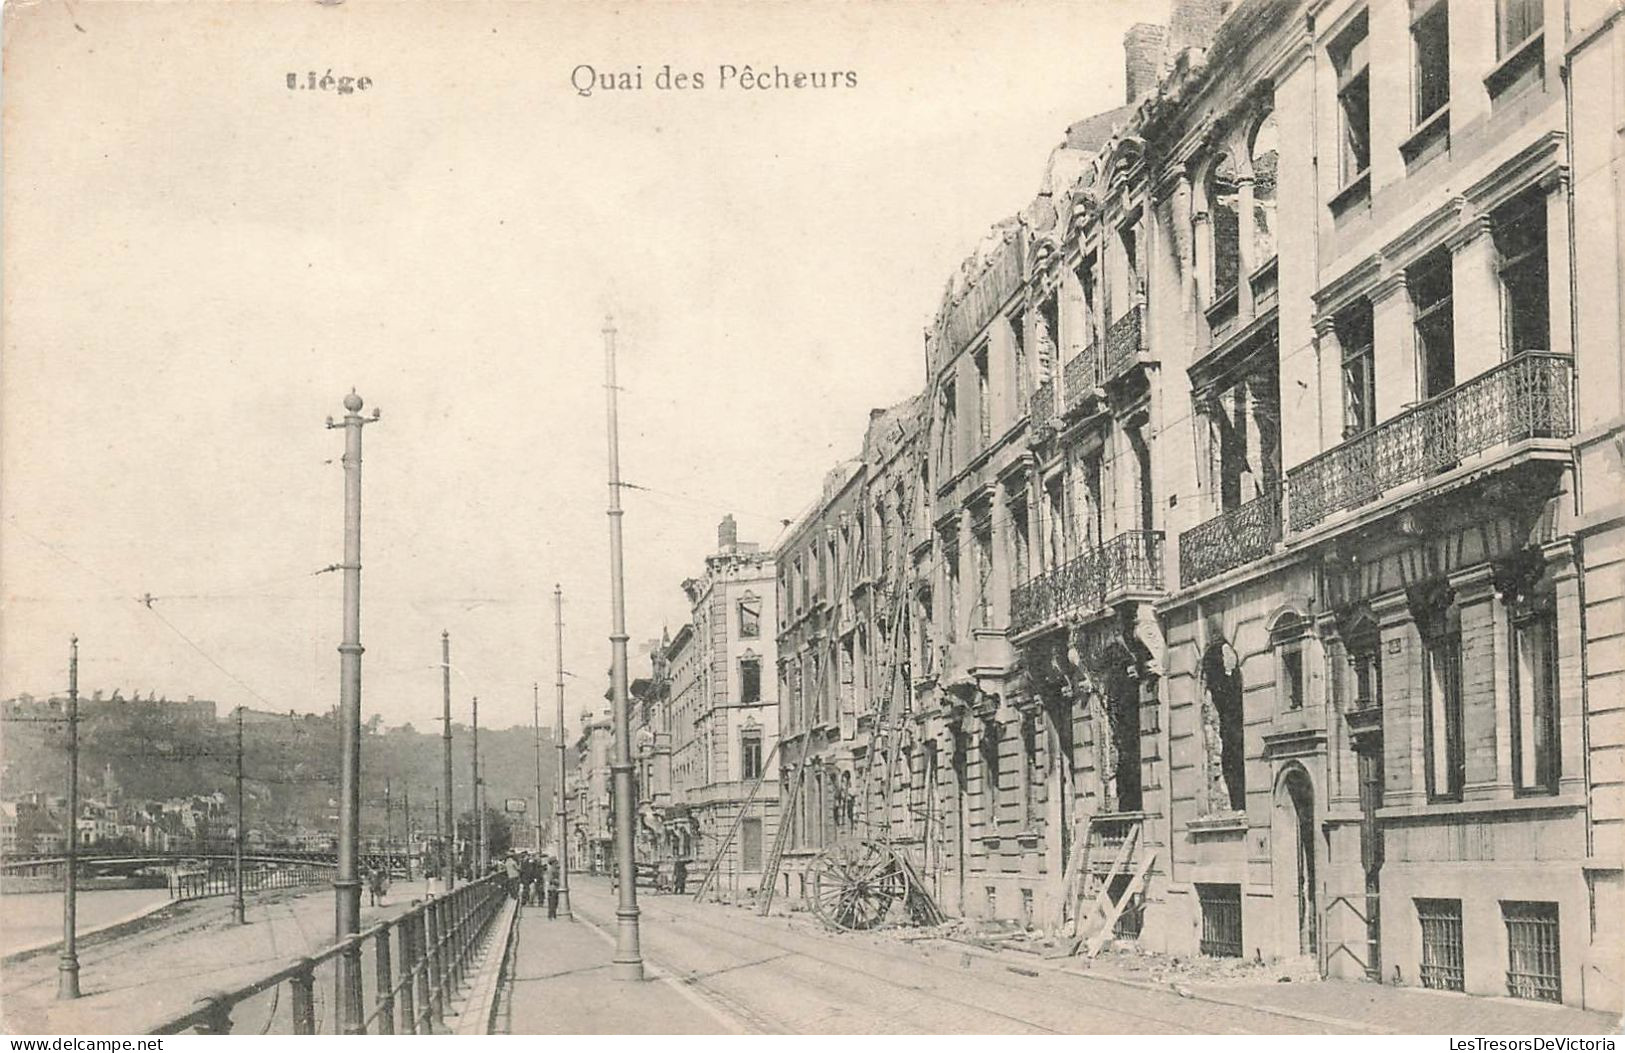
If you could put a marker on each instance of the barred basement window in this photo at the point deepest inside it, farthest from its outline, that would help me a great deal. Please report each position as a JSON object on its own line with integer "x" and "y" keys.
{"x": 1132, "y": 918}
{"x": 1441, "y": 943}
{"x": 1533, "y": 962}
{"x": 1221, "y": 920}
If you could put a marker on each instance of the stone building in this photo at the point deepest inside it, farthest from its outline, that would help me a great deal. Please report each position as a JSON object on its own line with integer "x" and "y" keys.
{"x": 845, "y": 593}
{"x": 1273, "y": 465}
{"x": 724, "y": 715}
{"x": 588, "y": 806}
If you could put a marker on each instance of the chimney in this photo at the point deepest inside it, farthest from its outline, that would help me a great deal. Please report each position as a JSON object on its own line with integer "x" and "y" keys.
{"x": 1192, "y": 24}
{"x": 1144, "y": 49}
{"x": 727, "y": 533}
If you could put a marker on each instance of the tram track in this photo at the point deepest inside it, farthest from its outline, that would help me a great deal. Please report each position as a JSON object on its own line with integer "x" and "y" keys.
{"x": 940, "y": 992}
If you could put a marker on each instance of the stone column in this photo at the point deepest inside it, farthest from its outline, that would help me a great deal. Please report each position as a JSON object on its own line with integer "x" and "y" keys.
{"x": 1246, "y": 263}
{"x": 1561, "y": 338}
{"x": 1202, "y": 271}
{"x": 999, "y": 577}
{"x": 1329, "y": 374}
{"x": 1253, "y": 410}
{"x": 1403, "y": 756}
{"x": 1475, "y": 299}
{"x": 1486, "y": 717}
{"x": 1394, "y": 346}
{"x": 1037, "y": 553}
{"x": 967, "y": 575}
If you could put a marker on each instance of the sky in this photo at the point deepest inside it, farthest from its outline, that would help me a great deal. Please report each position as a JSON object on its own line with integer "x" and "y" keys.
{"x": 200, "y": 262}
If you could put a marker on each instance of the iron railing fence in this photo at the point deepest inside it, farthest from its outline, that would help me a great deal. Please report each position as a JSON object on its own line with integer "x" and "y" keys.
{"x": 223, "y": 881}
{"x": 405, "y": 974}
{"x": 1527, "y": 397}
{"x": 1131, "y": 560}
{"x": 1230, "y": 540}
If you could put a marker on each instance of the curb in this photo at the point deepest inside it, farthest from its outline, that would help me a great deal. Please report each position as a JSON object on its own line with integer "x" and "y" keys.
{"x": 1290, "y": 1014}
{"x": 56, "y": 941}
{"x": 478, "y": 1011}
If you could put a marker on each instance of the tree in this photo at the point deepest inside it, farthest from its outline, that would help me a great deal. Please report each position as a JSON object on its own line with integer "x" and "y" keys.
{"x": 496, "y": 830}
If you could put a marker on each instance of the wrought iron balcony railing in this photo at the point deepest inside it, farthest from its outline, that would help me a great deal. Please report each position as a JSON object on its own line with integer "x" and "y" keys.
{"x": 1087, "y": 582}
{"x": 1123, "y": 342}
{"x": 1527, "y": 397}
{"x": 1083, "y": 376}
{"x": 1041, "y": 404}
{"x": 1228, "y": 541}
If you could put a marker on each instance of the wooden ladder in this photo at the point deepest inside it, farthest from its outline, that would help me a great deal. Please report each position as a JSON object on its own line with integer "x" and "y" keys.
{"x": 727, "y": 842}
{"x": 1093, "y": 927}
{"x": 775, "y": 855}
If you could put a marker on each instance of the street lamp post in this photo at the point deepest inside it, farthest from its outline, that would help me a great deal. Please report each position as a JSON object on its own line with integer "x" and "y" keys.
{"x": 239, "y": 910}
{"x": 536, "y": 721}
{"x": 563, "y": 820}
{"x": 448, "y": 832}
{"x": 347, "y": 883}
{"x": 628, "y": 960}
{"x": 67, "y": 976}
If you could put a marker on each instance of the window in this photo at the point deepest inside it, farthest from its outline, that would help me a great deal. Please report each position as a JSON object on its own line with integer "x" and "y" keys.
{"x": 1430, "y": 288}
{"x": 1223, "y": 199}
{"x": 982, "y": 548}
{"x": 1018, "y": 352}
{"x": 1089, "y": 296}
{"x": 1221, "y": 919}
{"x": 1430, "y": 49}
{"x": 1288, "y": 638}
{"x": 1534, "y": 965}
{"x": 984, "y": 401}
{"x": 1355, "y": 330}
{"x": 1353, "y": 65}
{"x": 1535, "y": 760}
{"x": 750, "y": 681}
{"x": 992, "y": 733}
{"x": 1032, "y": 776}
{"x": 750, "y": 844}
{"x": 750, "y": 755}
{"x": 1441, "y": 967}
{"x": 1128, "y": 239}
{"x": 948, "y": 436}
{"x": 1441, "y": 691}
{"x": 1266, "y": 160}
{"x": 1520, "y": 245}
{"x": 1142, "y": 476}
{"x": 1094, "y": 533}
{"x": 750, "y": 617}
{"x": 1019, "y": 540}
{"x": 1515, "y": 22}
{"x": 1224, "y": 729}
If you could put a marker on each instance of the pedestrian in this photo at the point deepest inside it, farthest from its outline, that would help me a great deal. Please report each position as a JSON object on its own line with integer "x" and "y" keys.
{"x": 679, "y": 876}
{"x": 375, "y": 885}
{"x": 533, "y": 881}
{"x": 552, "y": 888}
{"x": 511, "y": 875}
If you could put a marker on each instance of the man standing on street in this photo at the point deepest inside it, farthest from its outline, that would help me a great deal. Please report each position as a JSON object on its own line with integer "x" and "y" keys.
{"x": 552, "y": 888}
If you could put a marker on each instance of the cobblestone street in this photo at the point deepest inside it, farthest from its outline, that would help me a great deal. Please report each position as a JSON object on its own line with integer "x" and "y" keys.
{"x": 787, "y": 975}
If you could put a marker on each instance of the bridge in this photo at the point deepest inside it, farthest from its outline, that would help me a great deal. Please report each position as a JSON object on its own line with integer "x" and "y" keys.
{"x": 128, "y": 863}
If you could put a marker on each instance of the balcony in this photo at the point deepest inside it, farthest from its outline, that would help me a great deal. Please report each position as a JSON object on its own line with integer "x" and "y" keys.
{"x": 1123, "y": 342}
{"x": 1082, "y": 378}
{"x": 1527, "y": 397}
{"x": 1041, "y": 404}
{"x": 1129, "y": 562}
{"x": 1228, "y": 541}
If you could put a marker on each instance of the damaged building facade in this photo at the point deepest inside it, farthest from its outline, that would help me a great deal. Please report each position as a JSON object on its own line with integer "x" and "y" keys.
{"x": 1270, "y": 497}
{"x": 846, "y": 645}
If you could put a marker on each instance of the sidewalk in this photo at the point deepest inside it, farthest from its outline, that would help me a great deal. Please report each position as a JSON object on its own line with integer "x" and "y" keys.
{"x": 560, "y": 985}
{"x": 1350, "y": 1005}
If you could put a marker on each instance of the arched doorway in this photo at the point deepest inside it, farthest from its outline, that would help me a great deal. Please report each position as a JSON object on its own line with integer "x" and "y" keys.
{"x": 1296, "y": 885}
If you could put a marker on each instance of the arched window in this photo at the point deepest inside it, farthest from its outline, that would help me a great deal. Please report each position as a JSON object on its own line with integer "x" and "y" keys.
{"x": 1265, "y": 160}
{"x": 1222, "y": 200}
